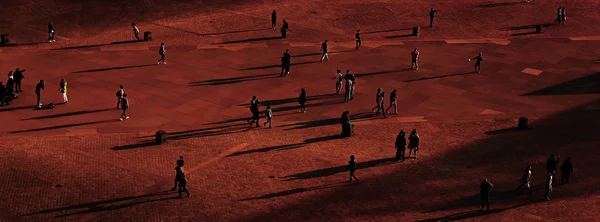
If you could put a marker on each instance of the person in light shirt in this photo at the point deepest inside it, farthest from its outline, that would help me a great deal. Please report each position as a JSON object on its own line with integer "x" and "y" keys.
{"x": 525, "y": 180}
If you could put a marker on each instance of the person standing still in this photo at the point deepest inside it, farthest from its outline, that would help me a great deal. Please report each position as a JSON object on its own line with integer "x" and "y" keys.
{"x": 352, "y": 168}
{"x": 286, "y": 60}
{"x": 324, "y": 50}
{"x": 415, "y": 59}
{"x": 136, "y": 31}
{"x": 338, "y": 81}
{"x": 357, "y": 37}
{"x": 484, "y": 193}
{"x": 525, "y": 180}
{"x": 273, "y": 19}
{"x": 413, "y": 143}
{"x": 549, "y": 181}
{"x": 51, "y": 32}
{"x": 563, "y": 16}
{"x": 348, "y": 92}
{"x": 393, "y": 102}
{"x": 302, "y": 101}
{"x": 10, "y": 87}
{"x": 162, "y": 52}
{"x": 565, "y": 170}
{"x": 432, "y": 16}
{"x": 18, "y": 75}
{"x": 124, "y": 106}
{"x": 38, "y": 90}
{"x": 400, "y": 145}
{"x": 3, "y": 94}
{"x": 478, "y": 61}
{"x": 63, "y": 89}
{"x": 120, "y": 94}
{"x": 268, "y": 116}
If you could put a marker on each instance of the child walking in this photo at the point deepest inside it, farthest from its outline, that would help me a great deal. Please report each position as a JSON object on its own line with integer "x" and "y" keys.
{"x": 269, "y": 116}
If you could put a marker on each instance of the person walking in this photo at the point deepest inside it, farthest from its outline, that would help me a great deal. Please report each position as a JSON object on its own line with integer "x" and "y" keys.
{"x": 352, "y": 86}
{"x": 180, "y": 161}
{"x": 566, "y": 169}
{"x": 124, "y": 106}
{"x": 51, "y": 32}
{"x": 548, "y": 184}
{"x": 525, "y": 180}
{"x": 352, "y": 168}
{"x": 478, "y": 61}
{"x": 38, "y": 90}
{"x": 380, "y": 105}
{"x": 177, "y": 177}
{"x": 273, "y": 19}
{"x": 284, "y": 29}
{"x": 413, "y": 143}
{"x": 558, "y": 15}
{"x": 338, "y": 81}
{"x": 162, "y": 52}
{"x": 18, "y": 76}
{"x": 302, "y": 101}
{"x": 357, "y": 37}
{"x": 268, "y": 116}
{"x": 415, "y": 60}
{"x": 120, "y": 94}
{"x": 484, "y": 193}
{"x": 63, "y": 89}
{"x": 255, "y": 113}
{"x": 563, "y": 16}
{"x": 324, "y": 50}
{"x": 10, "y": 87}
{"x": 183, "y": 184}
{"x": 377, "y": 96}
{"x": 393, "y": 102}
{"x": 551, "y": 165}
{"x": 136, "y": 31}
{"x": 431, "y": 16}
{"x": 286, "y": 60}
{"x": 400, "y": 145}
{"x": 3, "y": 94}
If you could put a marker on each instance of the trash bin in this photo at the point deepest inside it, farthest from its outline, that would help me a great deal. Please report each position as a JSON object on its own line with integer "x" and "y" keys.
{"x": 523, "y": 123}
{"x": 161, "y": 137}
{"x": 416, "y": 31}
{"x": 147, "y": 36}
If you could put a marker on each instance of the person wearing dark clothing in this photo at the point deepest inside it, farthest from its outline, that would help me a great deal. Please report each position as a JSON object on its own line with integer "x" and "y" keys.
{"x": 357, "y": 37}
{"x": 393, "y": 102}
{"x": 566, "y": 169}
{"x": 413, "y": 143}
{"x": 302, "y": 101}
{"x": 178, "y": 172}
{"x": 400, "y": 145}
{"x": 183, "y": 184}
{"x": 347, "y": 127}
{"x": 478, "y": 61}
{"x": 51, "y": 32}
{"x": 255, "y": 113}
{"x": 548, "y": 185}
{"x": 525, "y": 180}
{"x": 2, "y": 94}
{"x": 338, "y": 81}
{"x": 484, "y": 193}
{"x": 551, "y": 165}
{"x": 286, "y": 60}
{"x": 180, "y": 161}
{"x": 38, "y": 90}
{"x": 124, "y": 106}
{"x": 10, "y": 87}
{"x": 136, "y": 31}
{"x": 352, "y": 168}
{"x": 284, "y": 29}
{"x": 273, "y": 19}
{"x": 161, "y": 52}
{"x": 431, "y": 16}
{"x": 18, "y": 76}
{"x": 324, "y": 50}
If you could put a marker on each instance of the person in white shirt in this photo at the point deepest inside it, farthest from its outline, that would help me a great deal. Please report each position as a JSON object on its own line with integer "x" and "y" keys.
{"x": 549, "y": 179}
{"x": 268, "y": 116}
{"x": 338, "y": 81}
{"x": 525, "y": 180}
{"x": 136, "y": 31}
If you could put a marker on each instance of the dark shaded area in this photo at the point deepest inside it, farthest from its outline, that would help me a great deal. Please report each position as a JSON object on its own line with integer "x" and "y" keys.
{"x": 97, "y": 45}
{"x": 513, "y": 28}
{"x": 308, "y": 105}
{"x": 279, "y": 65}
{"x": 525, "y": 33}
{"x": 326, "y": 122}
{"x": 320, "y": 53}
{"x": 63, "y": 126}
{"x": 134, "y": 146}
{"x": 399, "y": 36}
{"x": 97, "y": 204}
{"x": 437, "y": 77}
{"x": 252, "y": 40}
{"x": 492, "y": 5}
{"x": 390, "y": 30}
{"x": 297, "y": 190}
{"x": 22, "y": 44}
{"x": 501, "y": 131}
{"x": 287, "y": 146}
{"x": 275, "y": 102}
{"x": 225, "y": 81}
{"x": 69, "y": 114}
{"x": 380, "y": 73}
{"x": 584, "y": 85}
{"x": 17, "y": 108}
{"x": 114, "y": 68}
{"x": 339, "y": 169}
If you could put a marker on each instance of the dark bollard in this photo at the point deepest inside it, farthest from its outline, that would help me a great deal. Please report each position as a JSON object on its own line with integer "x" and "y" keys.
{"x": 4, "y": 39}
{"x": 161, "y": 137}
{"x": 523, "y": 123}
{"x": 538, "y": 28}
{"x": 147, "y": 36}
{"x": 416, "y": 31}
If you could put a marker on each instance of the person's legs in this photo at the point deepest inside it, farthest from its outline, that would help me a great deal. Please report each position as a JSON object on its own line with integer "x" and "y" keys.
{"x": 416, "y": 149}
{"x": 118, "y": 102}
{"x": 175, "y": 185}
{"x": 431, "y": 21}
{"x": 38, "y": 98}
{"x": 270, "y": 126}
{"x": 282, "y": 68}
{"x": 482, "y": 201}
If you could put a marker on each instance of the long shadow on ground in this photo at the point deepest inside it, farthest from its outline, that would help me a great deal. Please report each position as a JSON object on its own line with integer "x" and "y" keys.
{"x": 63, "y": 126}
{"x": 279, "y": 65}
{"x": 326, "y": 122}
{"x": 68, "y": 114}
{"x": 114, "y": 68}
{"x": 287, "y": 146}
{"x": 339, "y": 169}
{"x": 492, "y": 5}
{"x": 225, "y": 81}
{"x": 252, "y": 40}
{"x": 584, "y": 85}
{"x": 98, "y": 45}
{"x": 298, "y": 190}
{"x": 437, "y": 77}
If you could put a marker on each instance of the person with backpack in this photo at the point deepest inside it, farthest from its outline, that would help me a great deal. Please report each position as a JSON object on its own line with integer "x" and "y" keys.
{"x": 124, "y": 106}
{"x": 268, "y": 116}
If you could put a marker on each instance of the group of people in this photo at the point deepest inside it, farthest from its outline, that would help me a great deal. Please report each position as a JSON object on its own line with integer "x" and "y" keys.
{"x": 10, "y": 91}
{"x": 401, "y": 145}
{"x": 561, "y": 17}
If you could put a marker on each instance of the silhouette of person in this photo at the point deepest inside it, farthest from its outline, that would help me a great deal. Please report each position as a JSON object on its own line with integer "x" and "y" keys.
{"x": 268, "y": 116}
{"x": 352, "y": 168}
{"x": 381, "y": 105}
{"x": 136, "y": 31}
{"x": 400, "y": 145}
{"x": 558, "y": 15}
{"x": 177, "y": 177}
{"x": 478, "y": 61}
{"x": 431, "y": 16}
{"x": 338, "y": 81}
{"x": 525, "y": 180}
{"x": 393, "y": 102}
{"x": 124, "y": 106}
{"x": 413, "y": 143}
{"x": 63, "y": 89}
{"x": 346, "y": 124}
{"x": 51, "y": 32}
{"x": 484, "y": 193}
{"x": 415, "y": 59}
{"x": 348, "y": 94}
{"x": 38, "y": 90}
{"x": 549, "y": 179}
{"x": 273, "y": 19}
{"x": 162, "y": 52}
{"x": 284, "y": 29}
{"x": 286, "y": 60}
{"x": 2, "y": 94}
{"x": 18, "y": 76}
{"x": 324, "y": 50}
{"x": 10, "y": 87}
{"x": 183, "y": 184}
{"x": 377, "y": 96}
{"x": 119, "y": 95}
{"x": 302, "y": 101}
{"x": 180, "y": 161}
{"x": 566, "y": 169}
{"x": 357, "y": 37}
{"x": 563, "y": 16}
{"x": 255, "y": 113}
{"x": 551, "y": 165}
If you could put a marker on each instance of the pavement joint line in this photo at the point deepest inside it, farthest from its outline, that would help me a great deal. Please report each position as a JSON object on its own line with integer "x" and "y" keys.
{"x": 220, "y": 156}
